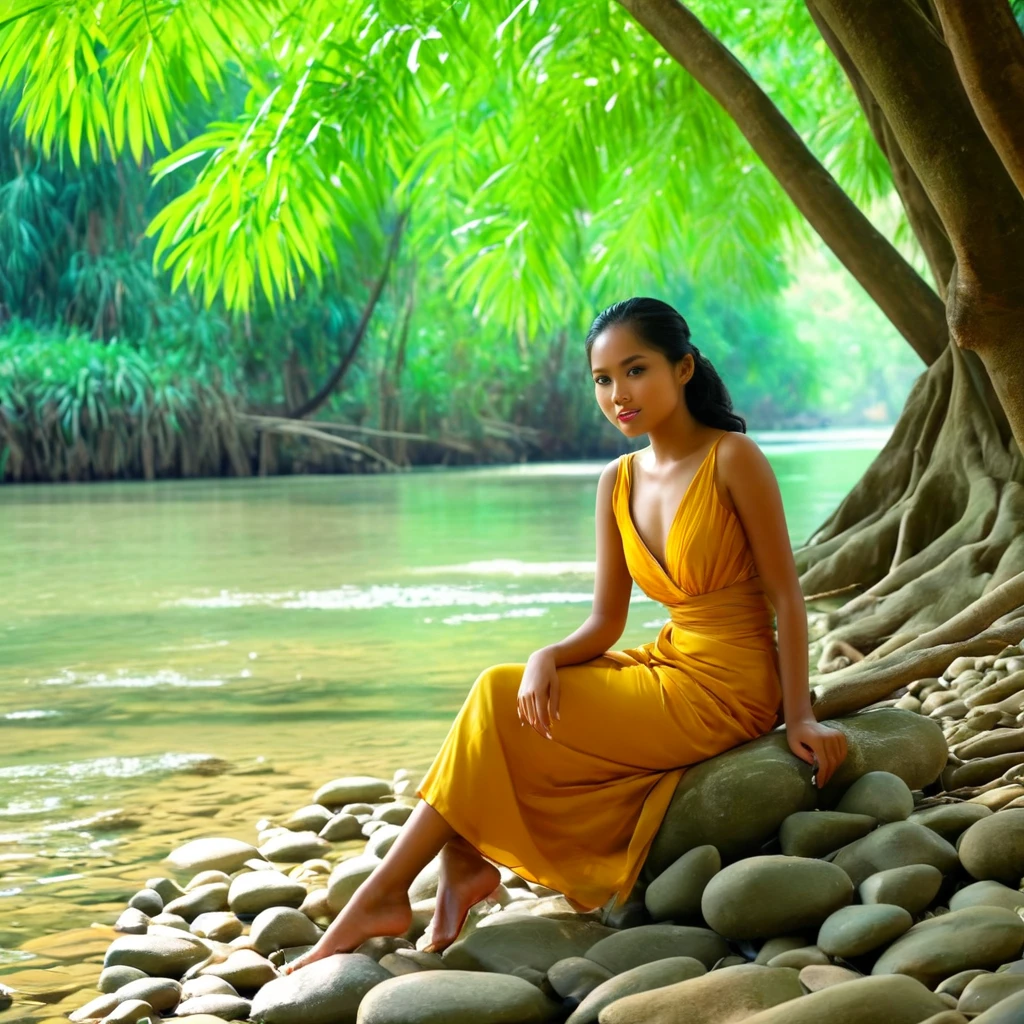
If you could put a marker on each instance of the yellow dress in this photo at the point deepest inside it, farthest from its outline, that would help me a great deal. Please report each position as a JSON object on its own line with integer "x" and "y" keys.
{"x": 578, "y": 812}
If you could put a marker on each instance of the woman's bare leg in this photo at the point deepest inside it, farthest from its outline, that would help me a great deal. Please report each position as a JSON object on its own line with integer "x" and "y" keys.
{"x": 465, "y": 878}
{"x": 380, "y": 906}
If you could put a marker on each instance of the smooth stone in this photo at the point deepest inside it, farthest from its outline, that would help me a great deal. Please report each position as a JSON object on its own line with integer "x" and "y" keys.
{"x": 312, "y": 817}
{"x": 353, "y": 789}
{"x": 113, "y": 978}
{"x": 216, "y": 1004}
{"x": 456, "y": 997}
{"x": 206, "y": 985}
{"x": 940, "y": 946}
{"x": 627, "y": 949}
{"x": 772, "y": 947}
{"x": 677, "y": 891}
{"x": 327, "y": 991}
{"x": 798, "y": 959}
{"x": 316, "y": 905}
{"x": 993, "y": 848}
{"x": 393, "y": 814}
{"x": 881, "y": 795}
{"x": 894, "y": 999}
{"x": 294, "y": 847}
{"x": 912, "y": 887}
{"x": 149, "y": 901}
{"x": 279, "y": 927}
{"x": 656, "y": 974}
{"x": 731, "y": 994}
{"x": 576, "y": 976}
{"x": 129, "y": 1012}
{"x": 346, "y": 877}
{"x": 983, "y": 992}
{"x": 245, "y": 970}
{"x": 95, "y": 1008}
{"x": 166, "y": 888}
{"x": 255, "y": 891}
{"x": 946, "y": 1017}
{"x": 159, "y": 956}
{"x": 815, "y": 977}
{"x": 341, "y": 828}
{"x": 216, "y": 854}
{"x": 715, "y": 802}
{"x": 380, "y": 945}
{"x": 207, "y": 877}
{"x": 855, "y": 930}
{"x": 729, "y": 961}
{"x": 205, "y": 899}
{"x": 506, "y": 941}
{"x": 221, "y": 925}
{"x": 949, "y": 820}
{"x": 132, "y": 922}
{"x": 360, "y": 810}
{"x": 424, "y": 885}
{"x": 894, "y": 846}
{"x": 161, "y": 993}
{"x": 816, "y": 833}
{"x": 954, "y": 986}
{"x": 383, "y": 839}
{"x": 987, "y": 894}
{"x": 760, "y": 897}
{"x": 170, "y": 921}
{"x": 411, "y": 961}
{"x": 1009, "y": 1011}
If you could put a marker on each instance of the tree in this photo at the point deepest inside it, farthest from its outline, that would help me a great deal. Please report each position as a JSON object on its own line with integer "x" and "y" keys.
{"x": 356, "y": 113}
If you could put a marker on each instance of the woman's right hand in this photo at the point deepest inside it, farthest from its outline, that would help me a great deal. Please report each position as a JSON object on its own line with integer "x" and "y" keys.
{"x": 539, "y": 692}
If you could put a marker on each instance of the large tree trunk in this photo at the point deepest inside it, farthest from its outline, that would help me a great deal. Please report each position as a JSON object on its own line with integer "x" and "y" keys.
{"x": 929, "y": 543}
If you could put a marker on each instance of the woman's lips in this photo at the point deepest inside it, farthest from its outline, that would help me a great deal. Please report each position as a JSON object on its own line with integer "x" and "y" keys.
{"x": 625, "y": 417}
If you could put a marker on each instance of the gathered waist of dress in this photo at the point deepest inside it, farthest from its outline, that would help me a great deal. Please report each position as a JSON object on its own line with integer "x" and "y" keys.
{"x": 741, "y": 609}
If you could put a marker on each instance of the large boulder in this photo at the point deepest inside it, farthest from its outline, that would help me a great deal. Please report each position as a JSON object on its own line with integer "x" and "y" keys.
{"x": 738, "y": 800}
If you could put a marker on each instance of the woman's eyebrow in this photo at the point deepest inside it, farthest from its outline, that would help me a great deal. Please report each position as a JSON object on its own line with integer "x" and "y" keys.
{"x": 628, "y": 359}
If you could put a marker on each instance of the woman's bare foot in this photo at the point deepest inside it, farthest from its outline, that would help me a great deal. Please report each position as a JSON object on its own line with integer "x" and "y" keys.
{"x": 362, "y": 918}
{"x": 465, "y": 878}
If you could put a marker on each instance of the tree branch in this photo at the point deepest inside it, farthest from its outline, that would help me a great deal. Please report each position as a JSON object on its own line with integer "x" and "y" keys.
{"x": 905, "y": 298}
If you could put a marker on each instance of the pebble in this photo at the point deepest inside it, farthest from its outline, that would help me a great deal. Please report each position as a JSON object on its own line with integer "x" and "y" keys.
{"x": 760, "y": 897}
{"x": 132, "y": 922}
{"x": 815, "y": 977}
{"x": 204, "y": 899}
{"x": 949, "y": 820}
{"x": 893, "y": 846}
{"x": 986, "y": 894}
{"x": 635, "y": 946}
{"x": 245, "y": 970}
{"x": 817, "y": 833}
{"x": 221, "y": 925}
{"x": 279, "y": 927}
{"x": 576, "y": 976}
{"x": 346, "y": 877}
{"x": 993, "y": 848}
{"x": 206, "y": 984}
{"x": 149, "y": 901}
{"x": 162, "y": 956}
{"x": 382, "y": 839}
{"x": 351, "y": 790}
{"x": 912, "y": 887}
{"x": 676, "y": 893}
{"x": 215, "y": 853}
{"x": 1009, "y": 1011}
{"x": 310, "y": 818}
{"x": 983, "y": 992}
{"x": 113, "y": 978}
{"x": 410, "y": 961}
{"x": 294, "y": 847}
{"x": 880, "y": 795}
{"x": 129, "y": 1012}
{"x": 254, "y": 891}
{"x": 798, "y": 959}
{"x": 216, "y": 1004}
{"x": 855, "y": 930}
{"x": 341, "y": 828}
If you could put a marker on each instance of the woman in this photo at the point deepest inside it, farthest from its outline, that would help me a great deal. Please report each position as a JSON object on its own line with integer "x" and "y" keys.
{"x": 574, "y": 801}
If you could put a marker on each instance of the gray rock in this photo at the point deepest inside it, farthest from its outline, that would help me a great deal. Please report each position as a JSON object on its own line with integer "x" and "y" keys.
{"x": 280, "y": 927}
{"x": 993, "y": 848}
{"x": 456, "y": 997}
{"x": 893, "y": 846}
{"x": 380, "y": 945}
{"x": 955, "y": 984}
{"x": 962, "y": 939}
{"x": 245, "y": 970}
{"x": 635, "y": 946}
{"x": 205, "y": 985}
{"x": 772, "y": 947}
{"x": 815, "y": 977}
{"x": 383, "y": 839}
{"x": 294, "y": 847}
{"x": 95, "y": 1008}
{"x": 204, "y": 899}
{"x": 731, "y": 994}
{"x": 816, "y": 833}
{"x": 341, "y": 828}
{"x": 162, "y": 994}
{"x": 983, "y": 992}
{"x": 677, "y": 891}
{"x": 216, "y": 1004}
{"x": 132, "y": 922}
{"x": 220, "y": 925}
{"x": 881, "y": 795}
{"x": 760, "y": 897}
{"x": 351, "y": 790}
{"x": 166, "y": 888}
{"x": 207, "y": 877}
{"x": 987, "y": 894}
{"x": 255, "y": 891}
{"x": 798, "y": 959}
{"x": 506, "y": 941}
{"x": 656, "y": 974}
{"x": 128, "y": 1012}
{"x": 575, "y": 977}
{"x": 856, "y": 930}
{"x": 411, "y": 961}
{"x": 113, "y": 978}
{"x": 393, "y": 814}
{"x": 149, "y": 901}
{"x": 738, "y": 800}
{"x": 159, "y": 956}
{"x": 310, "y": 818}
{"x": 894, "y": 1000}
{"x": 1009, "y": 1011}
{"x": 912, "y": 887}
{"x": 217, "y": 854}
{"x": 327, "y": 991}
{"x": 346, "y": 877}
{"x": 949, "y": 820}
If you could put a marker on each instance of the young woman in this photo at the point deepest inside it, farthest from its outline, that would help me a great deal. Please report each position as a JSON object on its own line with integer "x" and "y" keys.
{"x": 562, "y": 768}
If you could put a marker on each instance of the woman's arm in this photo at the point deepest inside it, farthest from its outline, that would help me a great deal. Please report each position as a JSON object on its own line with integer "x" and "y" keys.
{"x": 612, "y": 586}
{"x": 754, "y": 490}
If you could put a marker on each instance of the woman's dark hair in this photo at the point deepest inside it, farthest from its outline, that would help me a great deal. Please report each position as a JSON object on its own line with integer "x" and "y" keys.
{"x": 662, "y": 327}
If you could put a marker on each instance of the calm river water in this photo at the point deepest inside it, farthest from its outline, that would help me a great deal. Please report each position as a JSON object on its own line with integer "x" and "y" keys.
{"x": 182, "y": 658}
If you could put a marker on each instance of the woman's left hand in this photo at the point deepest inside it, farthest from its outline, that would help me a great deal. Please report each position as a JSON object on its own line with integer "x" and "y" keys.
{"x": 808, "y": 739}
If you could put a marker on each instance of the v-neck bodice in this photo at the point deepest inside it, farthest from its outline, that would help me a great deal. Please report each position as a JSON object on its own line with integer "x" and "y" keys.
{"x": 706, "y": 551}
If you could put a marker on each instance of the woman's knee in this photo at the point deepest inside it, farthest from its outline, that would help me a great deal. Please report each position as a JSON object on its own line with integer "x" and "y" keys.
{"x": 502, "y": 681}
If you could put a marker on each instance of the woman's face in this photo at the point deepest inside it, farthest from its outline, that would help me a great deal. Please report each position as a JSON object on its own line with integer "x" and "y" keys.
{"x": 630, "y": 375}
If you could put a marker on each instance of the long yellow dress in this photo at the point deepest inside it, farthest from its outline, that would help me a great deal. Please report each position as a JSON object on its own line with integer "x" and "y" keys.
{"x": 578, "y": 812}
